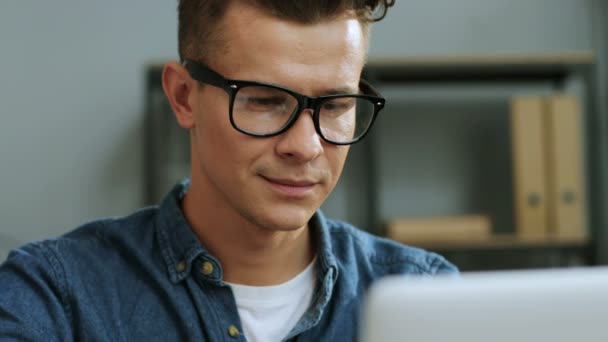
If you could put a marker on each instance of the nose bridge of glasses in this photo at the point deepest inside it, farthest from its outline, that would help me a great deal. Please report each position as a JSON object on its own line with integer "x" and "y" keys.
{"x": 303, "y": 108}
{"x": 302, "y": 127}
{"x": 307, "y": 102}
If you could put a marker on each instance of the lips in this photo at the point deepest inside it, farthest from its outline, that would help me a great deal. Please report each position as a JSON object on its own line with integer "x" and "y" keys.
{"x": 291, "y": 182}
{"x": 291, "y": 187}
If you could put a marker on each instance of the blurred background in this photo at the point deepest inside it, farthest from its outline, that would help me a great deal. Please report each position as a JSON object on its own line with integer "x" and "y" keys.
{"x": 492, "y": 149}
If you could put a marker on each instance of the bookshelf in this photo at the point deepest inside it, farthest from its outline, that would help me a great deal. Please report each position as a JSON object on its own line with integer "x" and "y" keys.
{"x": 506, "y": 242}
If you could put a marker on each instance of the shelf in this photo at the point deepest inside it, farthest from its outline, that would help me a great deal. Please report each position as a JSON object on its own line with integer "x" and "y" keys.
{"x": 469, "y": 68}
{"x": 478, "y": 68}
{"x": 503, "y": 242}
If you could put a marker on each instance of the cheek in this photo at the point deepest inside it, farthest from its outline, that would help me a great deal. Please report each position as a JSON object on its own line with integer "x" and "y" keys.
{"x": 212, "y": 123}
{"x": 336, "y": 157}
{"x": 212, "y": 134}
{"x": 212, "y": 115}
{"x": 224, "y": 152}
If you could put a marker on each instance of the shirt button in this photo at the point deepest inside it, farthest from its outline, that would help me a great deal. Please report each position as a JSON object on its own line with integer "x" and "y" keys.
{"x": 207, "y": 268}
{"x": 181, "y": 267}
{"x": 233, "y": 331}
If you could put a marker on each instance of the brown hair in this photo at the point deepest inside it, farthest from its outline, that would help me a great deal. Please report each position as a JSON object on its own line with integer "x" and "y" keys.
{"x": 198, "y": 19}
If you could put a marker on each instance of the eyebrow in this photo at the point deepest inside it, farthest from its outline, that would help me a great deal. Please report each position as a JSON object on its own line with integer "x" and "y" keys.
{"x": 342, "y": 90}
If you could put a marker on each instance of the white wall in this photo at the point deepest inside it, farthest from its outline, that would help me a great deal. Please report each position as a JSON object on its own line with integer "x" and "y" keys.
{"x": 72, "y": 81}
{"x": 71, "y": 109}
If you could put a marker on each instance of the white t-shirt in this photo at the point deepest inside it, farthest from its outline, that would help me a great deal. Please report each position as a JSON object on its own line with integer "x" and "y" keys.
{"x": 268, "y": 313}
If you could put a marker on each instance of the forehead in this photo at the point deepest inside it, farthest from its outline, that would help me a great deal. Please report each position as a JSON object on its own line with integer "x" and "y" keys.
{"x": 265, "y": 48}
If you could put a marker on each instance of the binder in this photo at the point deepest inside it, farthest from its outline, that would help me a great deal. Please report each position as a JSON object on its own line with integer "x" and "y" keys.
{"x": 528, "y": 143}
{"x": 424, "y": 230}
{"x": 567, "y": 194}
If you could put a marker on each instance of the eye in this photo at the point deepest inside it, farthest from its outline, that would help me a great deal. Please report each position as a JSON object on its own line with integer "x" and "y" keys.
{"x": 266, "y": 101}
{"x": 338, "y": 106}
{"x": 262, "y": 99}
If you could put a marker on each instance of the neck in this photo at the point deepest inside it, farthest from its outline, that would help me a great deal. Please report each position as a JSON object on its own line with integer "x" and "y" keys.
{"x": 249, "y": 254}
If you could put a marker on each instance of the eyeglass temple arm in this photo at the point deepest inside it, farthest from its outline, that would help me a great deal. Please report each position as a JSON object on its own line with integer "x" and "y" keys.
{"x": 368, "y": 88}
{"x": 205, "y": 75}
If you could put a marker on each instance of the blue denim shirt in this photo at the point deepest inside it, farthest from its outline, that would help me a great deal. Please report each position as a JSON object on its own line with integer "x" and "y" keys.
{"x": 146, "y": 277}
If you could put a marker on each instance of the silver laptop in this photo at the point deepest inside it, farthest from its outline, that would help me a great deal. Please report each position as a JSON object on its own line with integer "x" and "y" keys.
{"x": 524, "y": 306}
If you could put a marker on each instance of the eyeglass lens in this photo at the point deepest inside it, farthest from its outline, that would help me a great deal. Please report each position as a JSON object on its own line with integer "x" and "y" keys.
{"x": 267, "y": 110}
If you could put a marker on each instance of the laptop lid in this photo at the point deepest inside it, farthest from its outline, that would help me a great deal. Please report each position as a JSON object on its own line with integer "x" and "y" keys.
{"x": 523, "y": 306}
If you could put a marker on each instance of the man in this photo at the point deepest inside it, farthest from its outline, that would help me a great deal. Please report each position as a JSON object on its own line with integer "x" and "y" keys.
{"x": 270, "y": 92}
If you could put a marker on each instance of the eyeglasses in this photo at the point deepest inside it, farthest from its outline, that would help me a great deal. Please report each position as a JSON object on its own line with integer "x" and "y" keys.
{"x": 265, "y": 110}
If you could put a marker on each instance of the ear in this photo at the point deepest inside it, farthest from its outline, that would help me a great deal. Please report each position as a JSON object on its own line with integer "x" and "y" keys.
{"x": 180, "y": 90}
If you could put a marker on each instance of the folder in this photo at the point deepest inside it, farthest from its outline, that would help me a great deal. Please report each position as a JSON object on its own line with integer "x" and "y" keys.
{"x": 567, "y": 195}
{"x": 424, "y": 230}
{"x": 528, "y": 143}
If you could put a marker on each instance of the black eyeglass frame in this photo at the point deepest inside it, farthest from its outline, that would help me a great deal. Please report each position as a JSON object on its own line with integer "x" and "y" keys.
{"x": 204, "y": 74}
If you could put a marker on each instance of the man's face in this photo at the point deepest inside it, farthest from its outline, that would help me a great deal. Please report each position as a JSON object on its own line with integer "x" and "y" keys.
{"x": 275, "y": 183}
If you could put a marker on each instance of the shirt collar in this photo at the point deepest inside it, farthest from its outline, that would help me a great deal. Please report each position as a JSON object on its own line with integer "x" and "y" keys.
{"x": 180, "y": 247}
{"x": 327, "y": 277}
{"x": 178, "y": 243}
{"x": 325, "y": 254}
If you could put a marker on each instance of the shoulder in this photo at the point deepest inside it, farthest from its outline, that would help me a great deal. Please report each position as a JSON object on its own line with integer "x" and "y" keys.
{"x": 94, "y": 243}
{"x": 382, "y": 256}
{"x": 109, "y": 231}
{"x": 49, "y": 282}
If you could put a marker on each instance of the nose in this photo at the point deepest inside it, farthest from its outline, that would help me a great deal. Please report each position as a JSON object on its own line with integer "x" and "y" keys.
{"x": 301, "y": 141}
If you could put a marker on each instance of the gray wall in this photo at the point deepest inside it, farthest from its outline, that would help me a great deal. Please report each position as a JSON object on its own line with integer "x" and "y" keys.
{"x": 71, "y": 103}
{"x": 71, "y": 89}
{"x": 431, "y": 27}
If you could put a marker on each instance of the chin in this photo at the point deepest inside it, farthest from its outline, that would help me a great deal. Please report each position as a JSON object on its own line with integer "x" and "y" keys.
{"x": 284, "y": 219}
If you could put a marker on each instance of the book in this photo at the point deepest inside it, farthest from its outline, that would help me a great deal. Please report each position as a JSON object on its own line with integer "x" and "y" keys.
{"x": 567, "y": 193}
{"x": 528, "y": 148}
{"x": 424, "y": 230}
